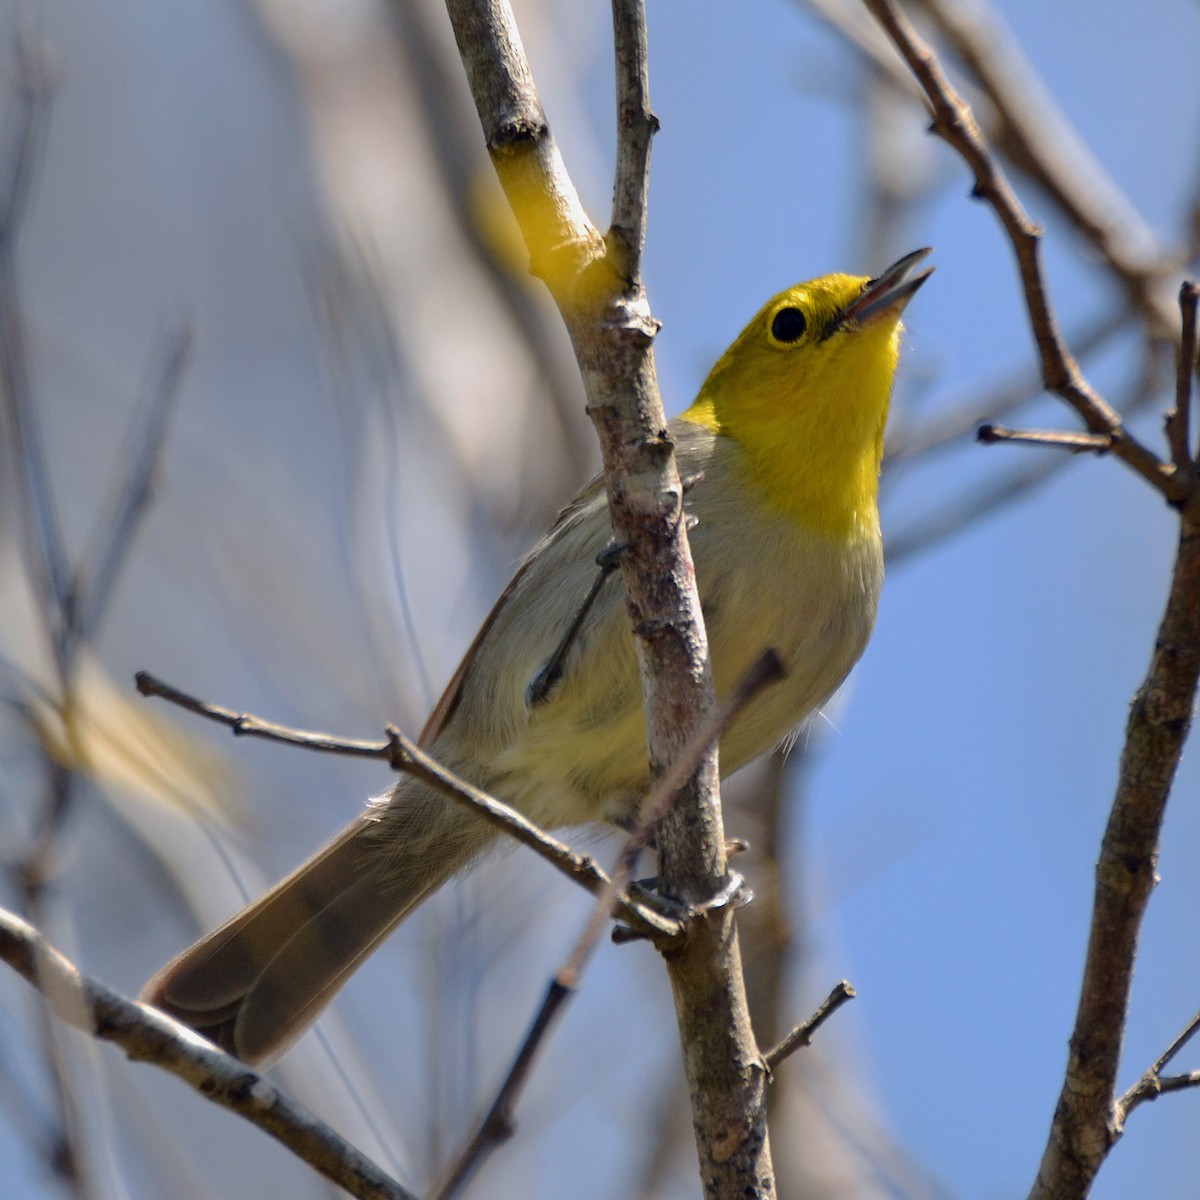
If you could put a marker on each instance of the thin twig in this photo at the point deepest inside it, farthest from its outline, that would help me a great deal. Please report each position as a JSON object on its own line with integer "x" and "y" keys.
{"x": 953, "y": 122}
{"x": 863, "y": 34}
{"x": 121, "y": 524}
{"x": 402, "y": 754}
{"x": 1035, "y": 136}
{"x": 246, "y": 725}
{"x": 1154, "y": 1083}
{"x": 1150, "y": 1087}
{"x": 23, "y": 138}
{"x": 497, "y": 1125}
{"x": 66, "y": 1150}
{"x": 582, "y": 869}
{"x": 908, "y": 442}
{"x": 41, "y": 540}
{"x": 802, "y": 1035}
{"x": 147, "y": 1035}
{"x": 1179, "y": 419}
{"x": 636, "y": 127}
{"x": 1076, "y": 443}
{"x": 1188, "y": 1032}
{"x": 994, "y": 492}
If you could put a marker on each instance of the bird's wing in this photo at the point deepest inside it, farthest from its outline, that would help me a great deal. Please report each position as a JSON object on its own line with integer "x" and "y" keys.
{"x": 444, "y": 709}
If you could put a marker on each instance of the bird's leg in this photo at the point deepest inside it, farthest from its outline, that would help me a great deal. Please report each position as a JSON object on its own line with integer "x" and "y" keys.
{"x": 543, "y": 682}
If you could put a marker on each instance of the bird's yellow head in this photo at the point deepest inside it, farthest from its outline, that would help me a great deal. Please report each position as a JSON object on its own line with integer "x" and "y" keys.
{"x": 804, "y": 392}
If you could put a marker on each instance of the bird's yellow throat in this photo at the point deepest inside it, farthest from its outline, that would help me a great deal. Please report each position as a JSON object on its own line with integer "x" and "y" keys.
{"x": 804, "y": 393}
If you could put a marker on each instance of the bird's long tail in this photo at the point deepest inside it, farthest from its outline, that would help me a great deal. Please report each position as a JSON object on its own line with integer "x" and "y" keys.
{"x": 255, "y": 984}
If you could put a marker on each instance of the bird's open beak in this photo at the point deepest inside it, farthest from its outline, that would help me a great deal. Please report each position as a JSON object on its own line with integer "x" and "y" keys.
{"x": 885, "y": 295}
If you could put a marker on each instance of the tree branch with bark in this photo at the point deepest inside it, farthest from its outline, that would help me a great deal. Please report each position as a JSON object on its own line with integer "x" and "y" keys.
{"x": 596, "y": 282}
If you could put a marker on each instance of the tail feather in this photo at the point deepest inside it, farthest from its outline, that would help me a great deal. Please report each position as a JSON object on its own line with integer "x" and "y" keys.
{"x": 256, "y": 983}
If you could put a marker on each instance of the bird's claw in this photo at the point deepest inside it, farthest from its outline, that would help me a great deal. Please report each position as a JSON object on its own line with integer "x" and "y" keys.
{"x": 733, "y": 892}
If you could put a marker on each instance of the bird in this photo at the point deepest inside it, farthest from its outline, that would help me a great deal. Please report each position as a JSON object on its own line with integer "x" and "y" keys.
{"x": 783, "y": 445}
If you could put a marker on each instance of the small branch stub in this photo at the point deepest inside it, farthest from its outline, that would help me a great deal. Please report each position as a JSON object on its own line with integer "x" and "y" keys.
{"x": 802, "y": 1035}
{"x": 1076, "y": 443}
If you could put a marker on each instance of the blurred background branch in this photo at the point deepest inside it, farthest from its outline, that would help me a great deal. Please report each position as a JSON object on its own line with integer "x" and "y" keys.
{"x": 147, "y": 1035}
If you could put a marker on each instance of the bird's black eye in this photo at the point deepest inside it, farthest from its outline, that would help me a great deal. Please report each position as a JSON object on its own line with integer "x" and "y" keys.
{"x": 788, "y": 325}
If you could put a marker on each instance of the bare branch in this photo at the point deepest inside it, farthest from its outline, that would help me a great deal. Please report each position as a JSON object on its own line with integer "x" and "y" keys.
{"x": 1189, "y": 1031}
{"x": 147, "y": 1035}
{"x": 245, "y": 725}
{"x": 1087, "y": 1120}
{"x": 994, "y": 491}
{"x": 55, "y": 586}
{"x": 953, "y": 122}
{"x": 1179, "y": 419}
{"x": 402, "y": 754}
{"x": 497, "y": 1126}
{"x": 802, "y": 1035}
{"x": 636, "y": 127}
{"x": 909, "y": 441}
{"x": 1076, "y": 443}
{"x": 1035, "y": 136}
{"x": 1151, "y": 1086}
{"x": 1154, "y": 1083}
{"x": 864, "y": 35}
{"x": 120, "y": 527}
{"x": 583, "y": 869}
